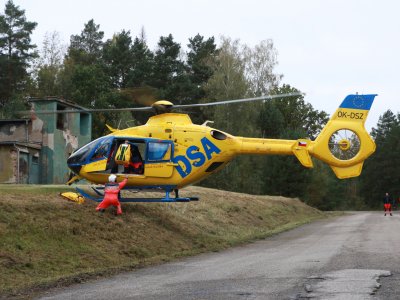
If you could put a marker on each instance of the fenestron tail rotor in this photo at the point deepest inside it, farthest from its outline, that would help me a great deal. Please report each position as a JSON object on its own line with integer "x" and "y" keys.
{"x": 344, "y": 144}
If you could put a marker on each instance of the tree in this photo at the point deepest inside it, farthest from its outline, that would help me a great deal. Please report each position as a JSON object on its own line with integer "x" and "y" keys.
{"x": 229, "y": 82}
{"x": 260, "y": 63}
{"x": 130, "y": 68}
{"x": 16, "y": 52}
{"x": 84, "y": 75}
{"x": 379, "y": 174}
{"x": 299, "y": 114}
{"x": 84, "y": 67}
{"x": 199, "y": 58}
{"x": 290, "y": 118}
{"x": 385, "y": 125}
{"x": 86, "y": 48}
{"x": 284, "y": 175}
{"x": 142, "y": 64}
{"x": 271, "y": 121}
{"x": 169, "y": 75}
{"x": 118, "y": 57}
{"x": 49, "y": 66}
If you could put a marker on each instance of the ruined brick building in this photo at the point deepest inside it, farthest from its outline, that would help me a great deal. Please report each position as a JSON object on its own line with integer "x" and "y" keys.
{"x": 35, "y": 150}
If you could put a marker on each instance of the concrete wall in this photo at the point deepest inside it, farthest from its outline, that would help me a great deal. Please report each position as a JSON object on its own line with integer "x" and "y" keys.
{"x": 19, "y": 164}
{"x": 56, "y": 137}
{"x": 61, "y": 136}
{"x": 8, "y": 167}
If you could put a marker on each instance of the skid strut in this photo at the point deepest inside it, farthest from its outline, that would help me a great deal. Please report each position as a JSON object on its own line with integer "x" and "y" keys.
{"x": 167, "y": 197}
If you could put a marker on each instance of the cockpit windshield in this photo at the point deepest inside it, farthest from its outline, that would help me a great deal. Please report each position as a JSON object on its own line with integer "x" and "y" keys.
{"x": 82, "y": 154}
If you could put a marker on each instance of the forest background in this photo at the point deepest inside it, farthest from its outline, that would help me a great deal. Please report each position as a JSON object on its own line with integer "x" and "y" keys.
{"x": 121, "y": 71}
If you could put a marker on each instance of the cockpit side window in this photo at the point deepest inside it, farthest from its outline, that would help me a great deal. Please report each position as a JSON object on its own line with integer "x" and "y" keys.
{"x": 102, "y": 150}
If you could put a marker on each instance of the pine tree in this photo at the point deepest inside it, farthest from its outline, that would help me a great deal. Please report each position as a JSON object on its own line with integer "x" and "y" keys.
{"x": 199, "y": 60}
{"x": 16, "y": 52}
{"x": 380, "y": 170}
{"x": 86, "y": 48}
{"x": 142, "y": 64}
{"x": 118, "y": 58}
{"x": 169, "y": 75}
{"x": 84, "y": 77}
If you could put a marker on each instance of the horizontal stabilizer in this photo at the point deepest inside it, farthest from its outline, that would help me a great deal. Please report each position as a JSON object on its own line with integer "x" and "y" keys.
{"x": 301, "y": 152}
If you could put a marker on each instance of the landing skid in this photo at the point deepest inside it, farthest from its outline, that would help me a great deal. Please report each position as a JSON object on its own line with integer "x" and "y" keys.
{"x": 167, "y": 197}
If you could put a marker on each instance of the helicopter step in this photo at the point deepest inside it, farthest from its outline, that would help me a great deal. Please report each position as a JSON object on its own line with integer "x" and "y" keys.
{"x": 167, "y": 197}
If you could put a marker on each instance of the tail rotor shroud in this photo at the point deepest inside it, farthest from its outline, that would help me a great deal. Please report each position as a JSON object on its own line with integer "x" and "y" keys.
{"x": 344, "y": 144}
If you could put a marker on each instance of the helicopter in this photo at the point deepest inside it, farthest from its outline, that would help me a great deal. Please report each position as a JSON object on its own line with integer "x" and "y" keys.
{"x": 170, "y": 152}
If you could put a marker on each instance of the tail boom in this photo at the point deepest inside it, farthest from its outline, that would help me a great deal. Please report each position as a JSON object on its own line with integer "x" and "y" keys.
{"x": 343, "y": 144}
{"x": 299, "y": 148}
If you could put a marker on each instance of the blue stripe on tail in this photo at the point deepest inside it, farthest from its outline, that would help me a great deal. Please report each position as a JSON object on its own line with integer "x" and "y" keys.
{"x": 363, "y": 102}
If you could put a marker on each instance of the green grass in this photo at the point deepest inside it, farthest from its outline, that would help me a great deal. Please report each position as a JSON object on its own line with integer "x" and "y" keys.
{"x": 46, "y": 240}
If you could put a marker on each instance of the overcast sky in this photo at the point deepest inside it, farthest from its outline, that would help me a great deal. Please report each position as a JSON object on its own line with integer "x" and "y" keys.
{"x": 326, "y": 48}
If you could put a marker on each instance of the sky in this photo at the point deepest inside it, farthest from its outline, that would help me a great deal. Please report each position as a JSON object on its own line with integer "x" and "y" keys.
{"x": 326, "y": 48}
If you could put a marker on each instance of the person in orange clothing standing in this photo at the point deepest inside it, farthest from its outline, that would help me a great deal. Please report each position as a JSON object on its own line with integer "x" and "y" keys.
{"x": 111, "y": 193}
{"x": 387, "y": 204}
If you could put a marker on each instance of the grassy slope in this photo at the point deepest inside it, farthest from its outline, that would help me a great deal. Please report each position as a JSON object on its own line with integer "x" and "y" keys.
{"x": 45, "y": 239}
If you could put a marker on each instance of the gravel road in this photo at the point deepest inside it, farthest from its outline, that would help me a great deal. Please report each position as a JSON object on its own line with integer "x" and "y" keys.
{"x": 355, "y": 256}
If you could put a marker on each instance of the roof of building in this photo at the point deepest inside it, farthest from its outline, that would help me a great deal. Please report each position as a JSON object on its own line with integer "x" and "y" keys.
{"x": 5, "y": 121}
{"x": 21, "y": 144}
{"x": 57, "y": 99}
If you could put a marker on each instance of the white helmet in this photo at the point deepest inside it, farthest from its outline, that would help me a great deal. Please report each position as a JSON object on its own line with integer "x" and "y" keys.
{"x": 112, "y": 178}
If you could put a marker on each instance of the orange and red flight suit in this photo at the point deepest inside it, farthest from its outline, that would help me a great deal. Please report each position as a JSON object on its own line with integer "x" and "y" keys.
{"x": 111, "y": 191}
{"x": 387, "y": 204}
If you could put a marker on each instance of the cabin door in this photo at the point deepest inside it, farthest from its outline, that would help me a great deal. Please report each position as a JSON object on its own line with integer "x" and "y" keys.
{"x": 158, "y": 159}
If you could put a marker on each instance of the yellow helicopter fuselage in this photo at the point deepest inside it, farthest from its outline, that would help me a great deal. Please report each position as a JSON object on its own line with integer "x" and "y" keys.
{"x": 192, "y": 152}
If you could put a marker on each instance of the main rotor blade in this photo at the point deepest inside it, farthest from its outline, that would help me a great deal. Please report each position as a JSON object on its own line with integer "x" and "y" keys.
{"x": 90, "y": 110}
{"x": 266, "y": 97}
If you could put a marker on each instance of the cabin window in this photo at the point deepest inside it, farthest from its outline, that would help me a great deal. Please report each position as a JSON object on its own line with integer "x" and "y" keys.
{"x": 158, "y": 151}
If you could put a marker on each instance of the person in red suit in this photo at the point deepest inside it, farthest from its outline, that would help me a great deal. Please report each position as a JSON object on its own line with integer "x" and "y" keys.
{"x": 387, "y": 204}
{"x": 111, "y": 192}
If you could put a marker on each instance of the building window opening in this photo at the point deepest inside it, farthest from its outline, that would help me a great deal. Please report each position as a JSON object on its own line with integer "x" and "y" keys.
{"x": 61, "y": 118}
{"x": 84, "y": 124}
{"x": 35, "y": 160}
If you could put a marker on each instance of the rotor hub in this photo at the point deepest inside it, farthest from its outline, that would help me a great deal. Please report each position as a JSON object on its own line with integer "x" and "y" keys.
{"x": 344, "y": 144}
{"x": 162, "y": 106}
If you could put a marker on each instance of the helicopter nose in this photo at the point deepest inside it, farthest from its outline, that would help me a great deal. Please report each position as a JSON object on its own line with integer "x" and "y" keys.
{"x": 75, "y": 168}
{"x": 74, "y": 164}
